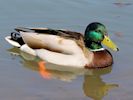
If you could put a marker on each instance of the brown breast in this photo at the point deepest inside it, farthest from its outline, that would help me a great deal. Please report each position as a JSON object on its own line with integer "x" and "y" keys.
{"x": 101, "y": 59}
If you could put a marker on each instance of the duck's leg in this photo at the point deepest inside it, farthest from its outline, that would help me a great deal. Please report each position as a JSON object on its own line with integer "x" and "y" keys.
{"x": 42, "y": 70}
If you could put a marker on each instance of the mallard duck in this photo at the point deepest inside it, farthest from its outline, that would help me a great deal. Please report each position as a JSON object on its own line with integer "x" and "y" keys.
{"x": 66, "y": 48}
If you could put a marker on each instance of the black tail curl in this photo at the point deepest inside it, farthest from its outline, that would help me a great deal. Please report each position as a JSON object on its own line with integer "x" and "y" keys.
{"x": 17, "y": 37}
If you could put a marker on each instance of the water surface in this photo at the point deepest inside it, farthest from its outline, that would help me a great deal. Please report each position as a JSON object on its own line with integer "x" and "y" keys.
{"x": 19, "y": 75}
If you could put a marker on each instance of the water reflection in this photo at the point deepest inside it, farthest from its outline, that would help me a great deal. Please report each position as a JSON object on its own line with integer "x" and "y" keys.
{"x": 93, "y": 85}
{"x": 56, "y": 72}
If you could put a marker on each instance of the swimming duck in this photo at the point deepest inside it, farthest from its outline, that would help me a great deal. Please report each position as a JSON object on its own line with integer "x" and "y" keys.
{"x": 66, "y": 48}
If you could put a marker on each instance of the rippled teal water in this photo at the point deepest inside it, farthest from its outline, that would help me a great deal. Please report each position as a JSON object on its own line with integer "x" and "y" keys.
{"x": 19, "y": 76}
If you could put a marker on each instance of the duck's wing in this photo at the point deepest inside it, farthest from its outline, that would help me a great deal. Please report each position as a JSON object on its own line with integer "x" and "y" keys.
{"x": 61, "y": 32}
{"x": 66, "y": 34}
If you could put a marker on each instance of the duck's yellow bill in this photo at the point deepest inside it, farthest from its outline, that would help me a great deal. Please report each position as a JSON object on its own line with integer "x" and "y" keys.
{"x": 109, "y": 43}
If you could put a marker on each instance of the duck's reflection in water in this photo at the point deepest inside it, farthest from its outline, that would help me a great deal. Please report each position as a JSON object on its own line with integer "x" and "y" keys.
{"x": 93, "y": 85}
{"x": 49, "y": 71}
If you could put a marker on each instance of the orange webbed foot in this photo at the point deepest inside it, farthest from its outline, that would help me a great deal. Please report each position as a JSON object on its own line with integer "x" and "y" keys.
{"x": 42, "y": 70}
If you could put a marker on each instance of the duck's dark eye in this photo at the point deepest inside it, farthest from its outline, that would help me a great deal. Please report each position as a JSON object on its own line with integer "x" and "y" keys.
{"x": 99, "y": 31}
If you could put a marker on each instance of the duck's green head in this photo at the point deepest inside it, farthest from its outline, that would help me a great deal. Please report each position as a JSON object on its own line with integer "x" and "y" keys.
{"x": 95, "y": 34}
